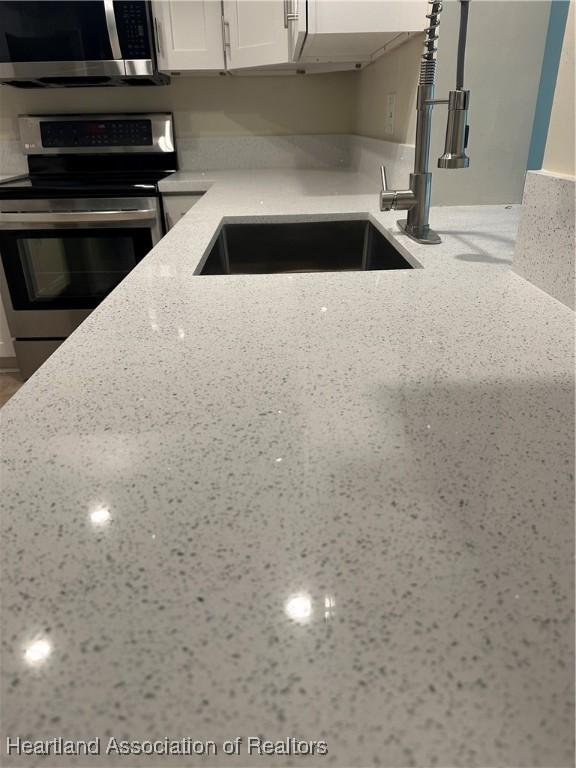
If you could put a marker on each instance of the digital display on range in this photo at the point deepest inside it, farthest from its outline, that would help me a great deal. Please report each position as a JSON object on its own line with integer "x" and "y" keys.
{"x": 96, "y": 133}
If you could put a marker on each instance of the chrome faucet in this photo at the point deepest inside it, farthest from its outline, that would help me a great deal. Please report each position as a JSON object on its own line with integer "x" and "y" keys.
{"x": 416, "y": 199}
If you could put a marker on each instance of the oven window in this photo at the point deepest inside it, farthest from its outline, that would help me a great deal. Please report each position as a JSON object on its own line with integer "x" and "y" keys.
{"x": 76, "y": 270}
{"x": 74, "y": 267}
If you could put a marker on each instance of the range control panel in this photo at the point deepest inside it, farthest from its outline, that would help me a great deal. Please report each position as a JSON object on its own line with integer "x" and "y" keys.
{"x": 96, "y": 133}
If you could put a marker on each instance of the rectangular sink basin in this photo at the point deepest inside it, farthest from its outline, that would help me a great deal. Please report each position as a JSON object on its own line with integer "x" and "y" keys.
{"x": 318, "y": 246}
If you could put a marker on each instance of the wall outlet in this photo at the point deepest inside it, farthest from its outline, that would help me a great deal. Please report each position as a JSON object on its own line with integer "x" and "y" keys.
{"x": 390, "y": 114}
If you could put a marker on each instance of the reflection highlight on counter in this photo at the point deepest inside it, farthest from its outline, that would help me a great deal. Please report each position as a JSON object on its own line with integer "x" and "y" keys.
{"x": 298, "y": 607}
{"x": 152, "y": 315}
{"x": 329, "y": 606}
{"x": 100, "y": 516}
{"x": 37, "y": 652}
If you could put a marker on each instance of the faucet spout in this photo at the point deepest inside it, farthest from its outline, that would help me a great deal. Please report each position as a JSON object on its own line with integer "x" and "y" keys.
{"x": 456, "y": 132}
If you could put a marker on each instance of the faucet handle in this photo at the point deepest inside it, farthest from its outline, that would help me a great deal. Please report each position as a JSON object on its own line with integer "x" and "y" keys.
{"x": 387, "y": 196}
{"x": 384, "y": 178}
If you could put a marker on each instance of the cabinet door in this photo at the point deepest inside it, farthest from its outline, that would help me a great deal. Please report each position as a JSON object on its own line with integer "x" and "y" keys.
{"x": 348, "y": 17}
{"x": 6, "y": 348}
{"x": 175, "y": 206}
{"x": 256, "y": 33}
{"x": 358, "y": 30}
{"x": 188, "y": 35}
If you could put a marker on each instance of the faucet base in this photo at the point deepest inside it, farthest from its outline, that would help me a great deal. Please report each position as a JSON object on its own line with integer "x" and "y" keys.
{"x": 426, "y": 237}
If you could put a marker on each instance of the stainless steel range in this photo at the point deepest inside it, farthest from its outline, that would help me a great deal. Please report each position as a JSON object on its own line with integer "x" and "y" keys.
{"x": 86, "y": 214}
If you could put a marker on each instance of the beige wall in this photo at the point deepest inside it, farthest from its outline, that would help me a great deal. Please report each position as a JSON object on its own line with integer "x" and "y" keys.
{"x": 208, "y": 106}
{"x": 559, "y": 155}
{"x": 397, "y": 72}
{"x": 504, "y": 57}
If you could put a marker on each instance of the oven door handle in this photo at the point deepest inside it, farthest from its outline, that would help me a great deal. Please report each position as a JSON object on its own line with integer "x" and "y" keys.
{"x": 8, "y": 220}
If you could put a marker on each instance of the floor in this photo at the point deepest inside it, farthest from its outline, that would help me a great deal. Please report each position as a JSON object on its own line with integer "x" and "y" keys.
{"x": 10, "y": 383}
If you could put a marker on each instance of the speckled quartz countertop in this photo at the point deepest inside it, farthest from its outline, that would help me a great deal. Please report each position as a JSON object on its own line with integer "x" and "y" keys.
{"x": 322, "y": 506}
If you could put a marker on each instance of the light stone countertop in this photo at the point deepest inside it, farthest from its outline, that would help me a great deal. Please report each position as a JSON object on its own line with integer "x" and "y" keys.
{"x": 323, "y": 506}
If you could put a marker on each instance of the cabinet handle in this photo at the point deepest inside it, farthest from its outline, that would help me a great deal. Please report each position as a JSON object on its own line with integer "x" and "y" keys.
{"x": 290, "y": 11}
{"x": 226, "y": 40}
{"x": 157, "y": 30}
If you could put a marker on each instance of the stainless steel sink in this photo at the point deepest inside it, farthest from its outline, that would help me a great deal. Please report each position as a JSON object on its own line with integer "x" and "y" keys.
{"x": 319, "y": 246}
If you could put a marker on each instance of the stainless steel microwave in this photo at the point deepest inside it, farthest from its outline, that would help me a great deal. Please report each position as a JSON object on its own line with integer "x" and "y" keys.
{"x": 77, "y": 43}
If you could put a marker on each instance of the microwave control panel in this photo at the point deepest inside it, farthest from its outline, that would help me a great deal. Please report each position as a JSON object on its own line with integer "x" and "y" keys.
{"x": 132, "y": 23}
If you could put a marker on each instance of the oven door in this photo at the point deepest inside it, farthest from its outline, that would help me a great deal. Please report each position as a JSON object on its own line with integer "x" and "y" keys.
{"x": 59, "y": 264}
{"x": 48, "y": 41}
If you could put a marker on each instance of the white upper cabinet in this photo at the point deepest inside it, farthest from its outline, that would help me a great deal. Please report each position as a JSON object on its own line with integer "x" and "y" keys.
{"x": 350, "y": 30}
{"x": 270, "y": 35}
{"x": 188, "y": 35}
{"x": 255, "y": 33}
